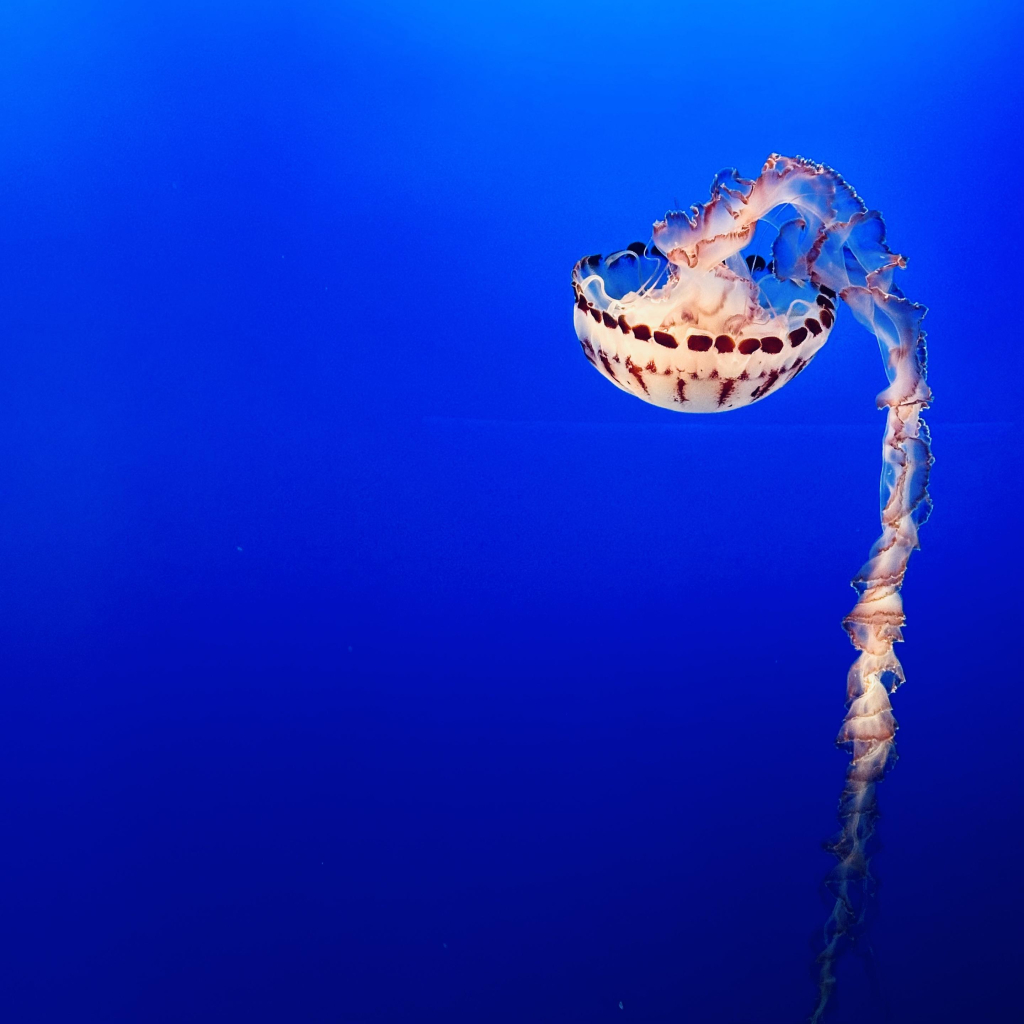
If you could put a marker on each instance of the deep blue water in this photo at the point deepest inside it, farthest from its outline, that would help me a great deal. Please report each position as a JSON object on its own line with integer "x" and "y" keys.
{"x": 366, "y": 657}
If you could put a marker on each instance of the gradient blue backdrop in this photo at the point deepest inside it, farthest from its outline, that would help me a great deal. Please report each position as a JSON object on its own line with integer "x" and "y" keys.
{"x": 366, "y": 657}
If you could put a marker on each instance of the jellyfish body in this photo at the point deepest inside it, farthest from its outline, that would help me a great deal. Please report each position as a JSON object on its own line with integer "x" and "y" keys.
{"x": 725, "y": 305}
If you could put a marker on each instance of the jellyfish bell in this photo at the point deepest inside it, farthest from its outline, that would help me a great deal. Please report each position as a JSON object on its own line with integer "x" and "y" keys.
{"x": 730, "y": 301}
{"x": 695, "y": 340}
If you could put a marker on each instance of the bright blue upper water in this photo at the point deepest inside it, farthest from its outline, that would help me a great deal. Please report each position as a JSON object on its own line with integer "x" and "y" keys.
{"x": 367, "y": 658}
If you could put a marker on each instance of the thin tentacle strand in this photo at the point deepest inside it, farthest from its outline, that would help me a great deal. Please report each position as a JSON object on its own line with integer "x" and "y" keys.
{"x": 875, "y": 623}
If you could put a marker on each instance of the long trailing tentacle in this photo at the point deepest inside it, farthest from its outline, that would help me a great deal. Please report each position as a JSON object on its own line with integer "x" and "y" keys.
{"x": 874, "y": 625}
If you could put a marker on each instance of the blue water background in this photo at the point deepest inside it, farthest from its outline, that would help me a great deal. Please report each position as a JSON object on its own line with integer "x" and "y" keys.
{"x": 367, "y": 657}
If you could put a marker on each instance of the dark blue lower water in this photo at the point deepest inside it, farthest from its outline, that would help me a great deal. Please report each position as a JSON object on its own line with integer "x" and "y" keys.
{"x": 366, "y": 657}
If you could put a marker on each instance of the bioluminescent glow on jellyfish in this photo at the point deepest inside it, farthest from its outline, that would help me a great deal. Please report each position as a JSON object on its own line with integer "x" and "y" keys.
{"x": 724, "y": 306}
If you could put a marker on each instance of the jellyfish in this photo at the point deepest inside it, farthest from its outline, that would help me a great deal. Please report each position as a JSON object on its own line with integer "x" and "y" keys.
{"x": 726, "y": 304}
